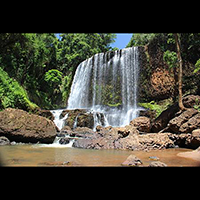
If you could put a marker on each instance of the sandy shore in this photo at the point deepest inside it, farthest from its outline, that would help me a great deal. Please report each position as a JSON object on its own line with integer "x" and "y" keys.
{"x": 195, "y": 155}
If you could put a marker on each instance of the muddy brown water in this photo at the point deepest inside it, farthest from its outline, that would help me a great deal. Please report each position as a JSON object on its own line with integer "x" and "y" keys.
{"x": 42, "y": 155}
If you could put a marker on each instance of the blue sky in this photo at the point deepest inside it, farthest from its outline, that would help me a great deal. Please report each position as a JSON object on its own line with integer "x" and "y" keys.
{"x": 122, "y": 40}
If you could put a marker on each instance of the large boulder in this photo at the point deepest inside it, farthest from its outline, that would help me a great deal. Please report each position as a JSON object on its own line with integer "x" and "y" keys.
{"x": 143, "y": 124}
{"x": 179, "y": 124}
{"x": 20, "y": 126}
{"x": 163, "y": 119}
{"x": 186, "y": 122}
{"x": 44, "y": 113}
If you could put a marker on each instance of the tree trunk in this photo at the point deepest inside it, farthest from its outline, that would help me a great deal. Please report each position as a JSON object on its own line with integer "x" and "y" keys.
{"x": 180, "y": 74}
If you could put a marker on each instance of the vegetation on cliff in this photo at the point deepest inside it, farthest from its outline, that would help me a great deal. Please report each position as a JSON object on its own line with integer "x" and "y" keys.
{"x": 43, "y": 65}
{"x": 40, "y": 68}
{"x": 12, "y": 94}
{"x": 161, "y": 77}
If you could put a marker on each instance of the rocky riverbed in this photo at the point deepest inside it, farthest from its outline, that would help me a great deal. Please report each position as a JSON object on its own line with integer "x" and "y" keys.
{"x": 174, "y": 129}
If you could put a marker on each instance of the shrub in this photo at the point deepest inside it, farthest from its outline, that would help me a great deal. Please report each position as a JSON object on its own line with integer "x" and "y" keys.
{"x": 12, "y": 94}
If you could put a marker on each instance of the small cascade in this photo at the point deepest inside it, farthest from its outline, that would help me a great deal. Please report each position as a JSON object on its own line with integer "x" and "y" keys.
{"x": 60, "y": 123}
{"x": 99, "y": 119}
{"x": 76, "y": 121}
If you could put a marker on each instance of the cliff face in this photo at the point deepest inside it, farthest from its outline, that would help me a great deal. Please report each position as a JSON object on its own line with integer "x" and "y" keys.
{"x": 158, "y": 81}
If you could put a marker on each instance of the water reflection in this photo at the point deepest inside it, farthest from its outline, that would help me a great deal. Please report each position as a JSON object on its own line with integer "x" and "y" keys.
{"x": 36, "y": 155}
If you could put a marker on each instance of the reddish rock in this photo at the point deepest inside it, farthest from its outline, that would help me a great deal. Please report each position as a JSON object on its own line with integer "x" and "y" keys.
{"x": 186, "y": 122}
{"x": 124, "y": 138}
{"x": 162, "y": 83}
{"x": 143, "y": 124}
{"x": 132, "y": 161}
{"x": 191, "y": 100}
{"x": 78, "y": 118}
{"x": 20, "y": 126}
{"x": 157, "y": 164}
{"x": 163, "y": 119}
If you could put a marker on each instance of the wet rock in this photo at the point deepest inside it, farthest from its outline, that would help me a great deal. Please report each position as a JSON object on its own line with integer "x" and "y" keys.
{"x": 78, "y": 118}
{"x": 157, "y": 164}
{"x": 60, "y": 135}
{"x": 4, "y": 141}
{"x": 21, "y": 126}
{"x": 83, "y": 132}
{"x": 64, "y": 140}
{"x": 66, "y": 130}
{"x": 133, "y": 161}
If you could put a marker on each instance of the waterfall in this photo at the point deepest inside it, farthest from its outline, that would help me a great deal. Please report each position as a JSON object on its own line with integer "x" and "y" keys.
{"x": 108, "y": 83}
{"x": 59, "y": 122}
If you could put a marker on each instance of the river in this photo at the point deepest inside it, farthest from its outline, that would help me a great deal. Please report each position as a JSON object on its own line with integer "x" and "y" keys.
{"x": 48, "y": 155}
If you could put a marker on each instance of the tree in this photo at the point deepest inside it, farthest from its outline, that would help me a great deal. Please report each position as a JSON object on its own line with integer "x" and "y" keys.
{"x": 180, "y": 74}
{"x": 29, "y": 58}
{"x": 54, "y": 79}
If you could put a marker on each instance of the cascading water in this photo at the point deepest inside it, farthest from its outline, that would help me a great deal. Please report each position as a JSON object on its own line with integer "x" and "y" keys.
{"x": 59, "y": 122}
{"x": 108, "y": 83}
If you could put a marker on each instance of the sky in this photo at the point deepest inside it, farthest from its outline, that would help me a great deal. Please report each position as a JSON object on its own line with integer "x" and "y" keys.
{"x": 122, "y": 40}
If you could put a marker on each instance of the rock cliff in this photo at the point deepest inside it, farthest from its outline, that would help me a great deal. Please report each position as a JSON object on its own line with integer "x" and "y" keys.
{"x": 157, "y": 80}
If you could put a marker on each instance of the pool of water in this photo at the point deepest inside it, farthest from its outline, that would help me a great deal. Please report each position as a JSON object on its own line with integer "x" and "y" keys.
{"x": 48, "y": 155}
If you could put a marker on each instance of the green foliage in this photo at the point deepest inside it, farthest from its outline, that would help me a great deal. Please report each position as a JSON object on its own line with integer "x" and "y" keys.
{"x": 170, "y": 57}
{"x": 159, "y": 108}
{"x": 65, "y": 87}
{"x": 152, "y": 106}
{"x": 12, "y": 94}
{"x": 74, "y": 48}
{"x": 53, "y": 77}
{"x": 41, "y": 62}
{"x": 140, "y": 39}
{"x": 197, "y": 65}
{"x": 197, "y": 104}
